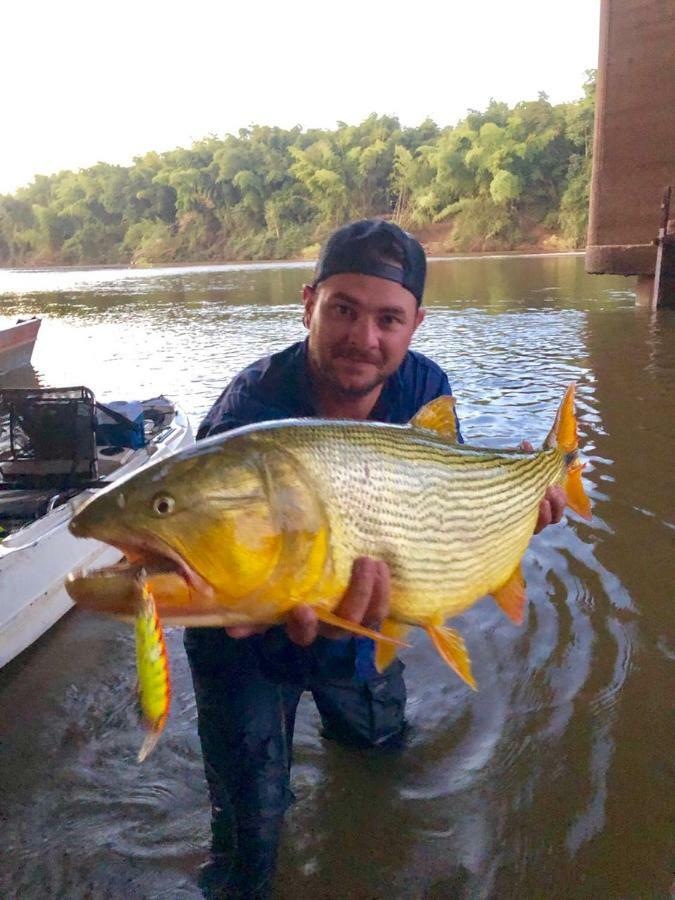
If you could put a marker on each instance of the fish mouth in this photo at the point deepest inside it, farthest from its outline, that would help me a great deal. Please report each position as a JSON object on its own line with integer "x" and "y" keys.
{"x": 114, "y": 589}
{"x": 155, "y": 555}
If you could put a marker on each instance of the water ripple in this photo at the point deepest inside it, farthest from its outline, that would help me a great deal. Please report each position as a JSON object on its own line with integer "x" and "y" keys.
{"x": 538, "y": 781}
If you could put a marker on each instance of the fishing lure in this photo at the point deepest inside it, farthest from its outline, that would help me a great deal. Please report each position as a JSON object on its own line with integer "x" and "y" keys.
{"x": 152, "y": 665}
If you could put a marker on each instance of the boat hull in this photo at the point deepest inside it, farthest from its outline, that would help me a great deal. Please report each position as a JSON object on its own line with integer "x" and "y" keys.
{"x": 16, "y": 345}
{"x": 35, "y": 560}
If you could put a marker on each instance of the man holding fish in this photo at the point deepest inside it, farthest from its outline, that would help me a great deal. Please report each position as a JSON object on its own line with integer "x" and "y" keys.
{"x": 339, "y": 498}
{"x": 361, "y": 311}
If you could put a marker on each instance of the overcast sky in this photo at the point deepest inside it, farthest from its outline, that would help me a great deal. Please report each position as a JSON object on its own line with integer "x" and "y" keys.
{"x": 89, "y": 81}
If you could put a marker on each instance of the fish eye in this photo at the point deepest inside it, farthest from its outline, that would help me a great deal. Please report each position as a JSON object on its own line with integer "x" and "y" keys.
{"x": 163, "y": 504}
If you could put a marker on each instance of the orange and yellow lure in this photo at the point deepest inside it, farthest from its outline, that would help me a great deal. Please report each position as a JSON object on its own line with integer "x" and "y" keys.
{"x": 152, "y": 664}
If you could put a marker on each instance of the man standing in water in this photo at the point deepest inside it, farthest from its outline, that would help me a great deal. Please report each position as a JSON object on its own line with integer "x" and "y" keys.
{"x": 361, "y": 311}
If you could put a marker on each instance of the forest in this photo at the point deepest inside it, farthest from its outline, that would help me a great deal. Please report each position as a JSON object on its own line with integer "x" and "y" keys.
{"x": 505, "y": 178}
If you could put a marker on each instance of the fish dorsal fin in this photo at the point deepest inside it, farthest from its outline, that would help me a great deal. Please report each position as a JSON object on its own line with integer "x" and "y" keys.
{"x": 438, "y": 415}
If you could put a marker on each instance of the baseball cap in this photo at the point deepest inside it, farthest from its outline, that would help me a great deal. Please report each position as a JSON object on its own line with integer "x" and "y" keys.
{"x": 374, "y": 247}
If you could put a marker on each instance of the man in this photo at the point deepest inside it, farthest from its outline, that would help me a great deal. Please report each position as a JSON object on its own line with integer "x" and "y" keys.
{"x": 361, "y": 311}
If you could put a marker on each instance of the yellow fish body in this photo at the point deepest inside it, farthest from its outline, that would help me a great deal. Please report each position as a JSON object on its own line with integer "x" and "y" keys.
{"x": 245, "y": 526}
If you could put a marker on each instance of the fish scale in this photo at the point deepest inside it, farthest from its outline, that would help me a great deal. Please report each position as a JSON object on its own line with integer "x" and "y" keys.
{"x": 415, "y": 498}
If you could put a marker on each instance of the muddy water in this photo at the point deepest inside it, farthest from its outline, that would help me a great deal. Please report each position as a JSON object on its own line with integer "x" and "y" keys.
{"x": 554, "y": 780}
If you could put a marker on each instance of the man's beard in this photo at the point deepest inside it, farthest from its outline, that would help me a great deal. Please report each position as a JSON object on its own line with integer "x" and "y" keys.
{"x": 331, "y": 377}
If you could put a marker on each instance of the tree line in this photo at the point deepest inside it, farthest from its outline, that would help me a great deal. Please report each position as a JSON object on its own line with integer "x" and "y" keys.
{"x": 498, "y": 179}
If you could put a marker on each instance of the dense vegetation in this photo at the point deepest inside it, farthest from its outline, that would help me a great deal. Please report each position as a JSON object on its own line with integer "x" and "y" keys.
{"x": 499, "y": 179}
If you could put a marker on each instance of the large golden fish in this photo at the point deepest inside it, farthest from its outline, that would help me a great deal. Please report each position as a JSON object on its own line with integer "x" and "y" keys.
{"x": 245, "y": 526}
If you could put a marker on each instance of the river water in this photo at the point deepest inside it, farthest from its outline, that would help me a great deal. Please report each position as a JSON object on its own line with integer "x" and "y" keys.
{"x": 554, "y": 780}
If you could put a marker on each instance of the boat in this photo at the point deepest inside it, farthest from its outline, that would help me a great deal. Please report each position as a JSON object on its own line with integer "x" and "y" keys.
{"x": 16, "y": 344}
{"x": 57, "y": 448}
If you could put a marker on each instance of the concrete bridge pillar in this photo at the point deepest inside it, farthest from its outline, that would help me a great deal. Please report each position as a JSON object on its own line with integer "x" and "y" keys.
{"x": 634, "y": 145}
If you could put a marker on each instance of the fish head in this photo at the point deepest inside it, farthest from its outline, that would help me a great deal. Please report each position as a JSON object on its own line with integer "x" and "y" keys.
{"x": 207, "y": 519}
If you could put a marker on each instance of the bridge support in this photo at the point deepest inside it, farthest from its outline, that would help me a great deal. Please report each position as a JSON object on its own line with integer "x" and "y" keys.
{"x": 634, "y": 147}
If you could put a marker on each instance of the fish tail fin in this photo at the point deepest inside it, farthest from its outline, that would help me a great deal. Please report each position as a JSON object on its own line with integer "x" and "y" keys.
{"x": 152, "y": 663}
{"x": 452, "y": 649}
{"x": 577, "y": 499}
{"x": 385, "y": 654}
{"x": 563, "y": 436}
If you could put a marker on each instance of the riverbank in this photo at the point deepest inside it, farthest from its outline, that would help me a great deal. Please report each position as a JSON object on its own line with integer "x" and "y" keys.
{"x": 431, "y": 250}
{"x": 439, "y": 240}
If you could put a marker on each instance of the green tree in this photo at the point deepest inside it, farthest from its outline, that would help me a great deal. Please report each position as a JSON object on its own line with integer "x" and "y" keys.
{"x": 500, "y": 176}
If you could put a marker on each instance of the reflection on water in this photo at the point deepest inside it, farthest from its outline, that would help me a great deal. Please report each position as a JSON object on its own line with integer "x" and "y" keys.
{"x": 553, "y": 780}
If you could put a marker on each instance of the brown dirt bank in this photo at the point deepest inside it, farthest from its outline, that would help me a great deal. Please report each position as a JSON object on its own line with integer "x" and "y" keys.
{"x": 438, "y": 240}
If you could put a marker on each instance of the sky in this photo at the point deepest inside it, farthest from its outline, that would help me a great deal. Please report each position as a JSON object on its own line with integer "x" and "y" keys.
{"x": 84, "y": 82}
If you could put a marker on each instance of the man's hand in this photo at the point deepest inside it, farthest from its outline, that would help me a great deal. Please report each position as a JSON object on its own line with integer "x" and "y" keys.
{"x": 366, "y": 602}
{"x": 553, "y": 505}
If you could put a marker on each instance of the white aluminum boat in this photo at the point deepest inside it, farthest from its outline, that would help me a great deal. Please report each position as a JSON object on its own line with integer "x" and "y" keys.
{"x": 36, "y": 555}
{"x": 16, "y": 344}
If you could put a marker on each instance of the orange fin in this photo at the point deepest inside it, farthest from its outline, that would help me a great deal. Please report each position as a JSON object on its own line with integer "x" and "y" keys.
{"x": 576, "y": 495}
{"x": 438, "y": 415}
{"x": 331, "y": 619}
{"x": 563, "y": 435}
{"x": 511, "y": 597}
{"x": 385, "y": 654}
{"x": 452, "y": 648}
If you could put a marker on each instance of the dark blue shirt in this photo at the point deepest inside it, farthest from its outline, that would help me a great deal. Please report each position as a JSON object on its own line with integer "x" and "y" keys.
{"x": 279, "y": 387}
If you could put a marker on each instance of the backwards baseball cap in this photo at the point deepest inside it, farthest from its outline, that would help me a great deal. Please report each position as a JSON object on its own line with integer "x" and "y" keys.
{"x": 374, "y": 247}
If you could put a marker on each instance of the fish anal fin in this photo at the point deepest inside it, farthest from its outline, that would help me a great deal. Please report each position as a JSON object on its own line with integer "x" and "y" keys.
{"x": 385, "y": 654}
{"x": 329, "y": 618}
{"x": 438, "y": 415}
{"x": 452, "y": 649}
{"x": 576, "y": 495}
{"x": 511, "y": 597}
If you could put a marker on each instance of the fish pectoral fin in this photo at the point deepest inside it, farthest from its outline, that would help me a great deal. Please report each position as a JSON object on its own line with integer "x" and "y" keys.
{"x": 576, "y": 495}
{"x": 330, "y": 618}
{"x": 511, "y": 597}
{"x": 385, "y": 654}
{"x": 438, "y": 415}
{"x": 152, "y": 664}
{"x": 452, "y": 648}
